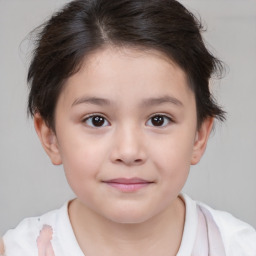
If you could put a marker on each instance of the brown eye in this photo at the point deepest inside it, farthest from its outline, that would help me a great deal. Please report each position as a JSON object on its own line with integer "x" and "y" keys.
{"x": 158, "y": 121}
{"x": 96, "y": 121}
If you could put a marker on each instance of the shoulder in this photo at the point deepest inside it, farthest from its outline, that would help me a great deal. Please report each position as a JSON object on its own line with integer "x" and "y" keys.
{"x": 239, "y": 238}
{"x": 23, "y": 240}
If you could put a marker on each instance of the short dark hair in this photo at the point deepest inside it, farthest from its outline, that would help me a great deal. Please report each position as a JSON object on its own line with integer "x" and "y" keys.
{"x": 84, "y": 26}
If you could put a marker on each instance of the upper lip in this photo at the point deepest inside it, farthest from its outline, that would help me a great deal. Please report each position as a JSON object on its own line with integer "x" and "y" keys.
{"x": 128, "y": 181}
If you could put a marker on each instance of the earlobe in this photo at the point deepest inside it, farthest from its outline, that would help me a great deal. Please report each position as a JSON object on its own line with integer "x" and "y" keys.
{"x": 48, "y": 139}
{"x": 201, "y": 139}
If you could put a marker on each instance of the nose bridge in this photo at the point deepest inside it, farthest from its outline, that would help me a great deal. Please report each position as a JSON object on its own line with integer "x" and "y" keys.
{"x": 128, "y": 146}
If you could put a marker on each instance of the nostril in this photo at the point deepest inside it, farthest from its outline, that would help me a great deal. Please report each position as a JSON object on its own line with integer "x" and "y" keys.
{"x": 129, "y": 161}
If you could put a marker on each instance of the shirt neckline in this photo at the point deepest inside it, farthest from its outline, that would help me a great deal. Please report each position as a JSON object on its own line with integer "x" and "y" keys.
{"x": 190, "y": 227}
{"x": 66, "y": 234}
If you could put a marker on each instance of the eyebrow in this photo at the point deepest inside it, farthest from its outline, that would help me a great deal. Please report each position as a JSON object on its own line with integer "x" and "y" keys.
{"x": 145, "y": 103}
{"x": 91, "y": 100}
{"x": 161, "y": 100}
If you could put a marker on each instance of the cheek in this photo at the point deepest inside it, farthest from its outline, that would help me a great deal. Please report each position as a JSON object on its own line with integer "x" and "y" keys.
{"x": 173, "y": 150}
{"x": 172, "y": 156}
{"x": 82, "y": 158}
{"x": 81, "y": 168}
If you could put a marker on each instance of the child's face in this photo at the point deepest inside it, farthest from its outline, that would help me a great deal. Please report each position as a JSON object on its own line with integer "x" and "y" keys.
{"x": 127, "y": 114}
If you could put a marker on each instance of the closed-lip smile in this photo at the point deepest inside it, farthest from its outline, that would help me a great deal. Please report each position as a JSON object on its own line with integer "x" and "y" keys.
{"x": 128, "y": 184}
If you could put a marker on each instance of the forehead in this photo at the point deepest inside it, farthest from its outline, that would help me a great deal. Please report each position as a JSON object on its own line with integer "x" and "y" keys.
{"x": 116, "y": 72}
{"x": 130, "y": 59}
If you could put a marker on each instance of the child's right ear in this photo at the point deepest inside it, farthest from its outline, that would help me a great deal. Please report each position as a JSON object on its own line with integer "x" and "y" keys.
{"x": 48, "y": 139}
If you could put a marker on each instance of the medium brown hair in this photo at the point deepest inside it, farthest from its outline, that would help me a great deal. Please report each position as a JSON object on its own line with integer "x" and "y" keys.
{"x": 84, "y": 26}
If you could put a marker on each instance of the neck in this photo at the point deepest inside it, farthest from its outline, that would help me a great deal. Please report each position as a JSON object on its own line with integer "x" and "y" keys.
{"x": 160, "y": 235}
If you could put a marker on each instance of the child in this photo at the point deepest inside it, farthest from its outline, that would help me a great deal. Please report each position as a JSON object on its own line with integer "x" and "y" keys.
{"x": 120, "y": 96}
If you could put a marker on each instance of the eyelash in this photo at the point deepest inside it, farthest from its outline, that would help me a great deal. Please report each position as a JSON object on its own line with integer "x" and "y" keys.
{"x": 104, "y": 120}
{"x": 166, "y": 118}
{"x": 90, "y": 117}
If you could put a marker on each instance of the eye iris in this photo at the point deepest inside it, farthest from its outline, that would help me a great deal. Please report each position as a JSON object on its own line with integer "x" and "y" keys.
{"x": 98, "y": 121}
{"x": 157, "y": 120}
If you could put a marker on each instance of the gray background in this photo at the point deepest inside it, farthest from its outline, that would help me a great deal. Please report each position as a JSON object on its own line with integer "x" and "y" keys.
{"x": 224, "y": 179}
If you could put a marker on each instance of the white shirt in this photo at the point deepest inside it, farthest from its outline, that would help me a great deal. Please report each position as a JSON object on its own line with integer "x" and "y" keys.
{"x": 206, "y": 232}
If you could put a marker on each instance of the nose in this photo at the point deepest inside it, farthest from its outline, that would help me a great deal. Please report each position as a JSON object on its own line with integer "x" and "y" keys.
{"x": 128, "y": 147}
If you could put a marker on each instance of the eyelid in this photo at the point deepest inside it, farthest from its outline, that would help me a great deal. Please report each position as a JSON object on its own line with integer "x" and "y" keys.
{"x": 164, "y": 115}
{"x": 94, "y": 114}
{"x": 170, "y": 119}
{"x": 85, "y": 118}
{"x": 161, "y": 114}
{"x": 88, "y": 116}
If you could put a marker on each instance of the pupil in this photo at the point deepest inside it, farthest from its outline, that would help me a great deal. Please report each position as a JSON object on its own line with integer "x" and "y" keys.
{"x": 98, "y": 121}
{"x": 157, "y": 120}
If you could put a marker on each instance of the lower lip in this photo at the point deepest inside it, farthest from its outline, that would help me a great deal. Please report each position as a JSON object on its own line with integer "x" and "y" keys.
{"x": 128, "y": 187}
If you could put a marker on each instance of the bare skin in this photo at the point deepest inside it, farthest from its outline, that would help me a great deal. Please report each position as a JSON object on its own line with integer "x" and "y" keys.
{"x": 134, "y": 239}
{"x": 106, "y": 134}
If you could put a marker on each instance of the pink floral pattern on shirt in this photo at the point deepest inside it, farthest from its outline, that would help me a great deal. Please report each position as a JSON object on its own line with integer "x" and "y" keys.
{"x": 44, "y": 244}
{"x": 1, "y": 247}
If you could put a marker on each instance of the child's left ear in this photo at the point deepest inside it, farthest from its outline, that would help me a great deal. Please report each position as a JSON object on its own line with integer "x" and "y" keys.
{"x": 201, "y": 139}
